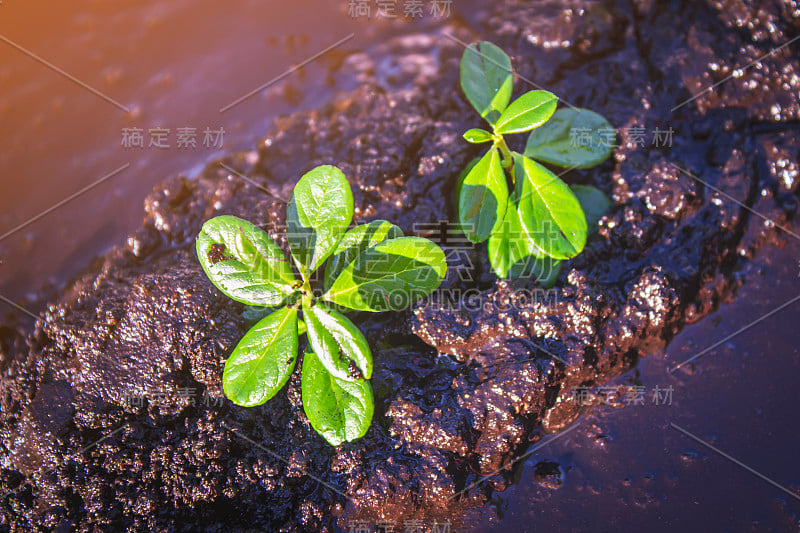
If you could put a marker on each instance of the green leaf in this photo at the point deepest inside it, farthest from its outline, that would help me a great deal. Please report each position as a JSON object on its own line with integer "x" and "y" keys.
{"x": 477, "y": 136}
{"x": 549, "y": 211}
{"x": 242, "y": 261}
{"x": 263, "y": 360}
{"x": 529, "y": 111}
{"x": 462, "y": 176}
{"x": 390, "y": 276}
{"x": 510, "y": 243}
{"x": 337, "y": 341}
{"x": 594, "y": 203}
{"x": 483, "y": 198}
{"x": 356, "y": 241}
{"x": 513, "y": 254}
{"x": 571, "y": 138}
{"x": 318, "y": 214}
{"x": 486, "y": 79}
{"x": 543, "y": 269}
{"x": 338, "y": 409}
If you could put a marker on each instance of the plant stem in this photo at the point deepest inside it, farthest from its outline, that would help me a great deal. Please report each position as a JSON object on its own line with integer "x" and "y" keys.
{"x": 500, "y": 143}
{"x": 508, "y": 160}
{"x": 307, "y": 292}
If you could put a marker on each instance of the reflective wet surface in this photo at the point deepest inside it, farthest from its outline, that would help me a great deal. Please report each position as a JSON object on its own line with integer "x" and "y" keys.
{"x": 631, "y": 468}
{"x": 165, "y": 70}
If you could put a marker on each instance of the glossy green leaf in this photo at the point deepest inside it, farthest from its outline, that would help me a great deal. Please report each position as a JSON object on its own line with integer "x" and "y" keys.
{"x": 477, "y": 136}
{"x": 594, "y": 203}
{"x": 513, "y": 254}
{"x": 356, "y": 241}
{"x": 529, "y": 111}
{"x": 483, "y": 198}
{"x": 549, "y": 211}
{"x": 339, "y": 410}
{"x": 390, "y": 276}
{"x": 542, "y": 269}
{"x": 462, "y": 176}
{"x": 263, "y": 360}
{"x": 573, "y": 137}
{"x": 243, "y": 262}
{"x": 337, "y": 342}
{"x": 486, "y": 79}
{"x": 510, "y": 243}
{"x": 456, "y": 194}
{"x": 318, "y": 214}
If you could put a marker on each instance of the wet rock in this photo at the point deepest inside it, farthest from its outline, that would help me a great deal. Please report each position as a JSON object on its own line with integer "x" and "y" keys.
{"x": 668, "y": 191}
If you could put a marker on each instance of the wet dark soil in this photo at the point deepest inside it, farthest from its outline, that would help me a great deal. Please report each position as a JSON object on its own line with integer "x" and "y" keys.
{"x": 461, "y": 391}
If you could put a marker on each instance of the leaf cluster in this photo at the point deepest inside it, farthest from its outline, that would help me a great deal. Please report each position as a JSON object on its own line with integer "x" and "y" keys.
{"x": 531, "y": 218}
{"x": 371, "y": 267}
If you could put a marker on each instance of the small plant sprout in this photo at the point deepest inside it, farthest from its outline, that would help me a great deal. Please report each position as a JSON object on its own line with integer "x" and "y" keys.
{"x": 371, "y": 267}
{"x": 531, "y": 218}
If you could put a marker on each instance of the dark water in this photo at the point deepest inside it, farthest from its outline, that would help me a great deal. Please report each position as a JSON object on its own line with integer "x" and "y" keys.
{"x": 172, "y": 65}
{"x": 629, "y": 469}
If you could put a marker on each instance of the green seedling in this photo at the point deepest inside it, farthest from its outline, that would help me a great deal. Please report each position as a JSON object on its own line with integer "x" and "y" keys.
{"x": 371, "y": 267}
{"x": 531, "y": 218}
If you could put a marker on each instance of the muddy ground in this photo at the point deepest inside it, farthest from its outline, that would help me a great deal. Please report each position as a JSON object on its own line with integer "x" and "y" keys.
{"x": 460, "y": 391}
